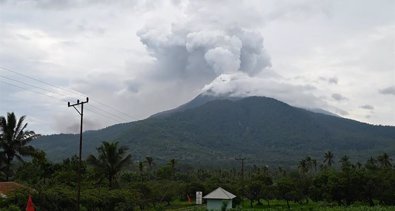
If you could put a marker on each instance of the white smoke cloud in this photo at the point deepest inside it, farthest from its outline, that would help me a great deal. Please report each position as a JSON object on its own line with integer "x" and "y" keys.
{"x": 242, "y": 85}
{"x": 221, "y": 58}
{"x": 202, "y": 54}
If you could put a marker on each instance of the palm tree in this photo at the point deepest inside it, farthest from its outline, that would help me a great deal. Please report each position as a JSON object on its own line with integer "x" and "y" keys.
{"x": 371, "y": 163}
{"x": 281, "y": 171}
{"x": 110, "y": 161}
{"x": 150, "y": 161}
{"x": 328, "y": 158}
{"x": 359, "y": 165}
{"x": 141, "y": 169}
{"x": 384, "y": 161}
{"x": 303, "y": 166}
{"x": 314, "y": 161}
{"x": 345, "y": 163}
{"x": 311, "y": 163}
{"x": 173, "y": 166}
{"x": 14, "y": 140}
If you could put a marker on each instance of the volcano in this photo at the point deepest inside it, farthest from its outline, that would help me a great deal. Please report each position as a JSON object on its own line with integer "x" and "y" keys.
{"x": 213, "y": 130}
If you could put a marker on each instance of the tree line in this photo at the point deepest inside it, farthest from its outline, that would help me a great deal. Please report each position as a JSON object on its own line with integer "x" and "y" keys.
{"x": 111, "y": 180}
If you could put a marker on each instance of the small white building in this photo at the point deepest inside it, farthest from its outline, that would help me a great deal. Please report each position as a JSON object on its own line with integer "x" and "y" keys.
{"x": 217, "y": 198}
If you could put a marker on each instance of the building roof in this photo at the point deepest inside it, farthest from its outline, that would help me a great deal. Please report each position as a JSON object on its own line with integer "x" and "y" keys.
{"x": 219, "y": 193}
{"x": 9, "y": 187}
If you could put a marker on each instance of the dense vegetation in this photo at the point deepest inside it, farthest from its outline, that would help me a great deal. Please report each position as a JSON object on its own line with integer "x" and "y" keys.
{"x": 111, "y": 180}
{"x": 263, "y": 129}
{"x": 147, "y": 186}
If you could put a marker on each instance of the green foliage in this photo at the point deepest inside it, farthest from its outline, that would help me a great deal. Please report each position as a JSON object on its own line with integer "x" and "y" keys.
{"x": 264, "y": 129}
{"x": 310, "y": 184}
{"x": 349, "y": 187}
{"x": 110, "y": 161}
{"x": 12, "y": 208}
{"x": 14, "y": 140}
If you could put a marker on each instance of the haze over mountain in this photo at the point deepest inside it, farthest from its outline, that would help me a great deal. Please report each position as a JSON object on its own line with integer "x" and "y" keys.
{"x": 214, "y": 130}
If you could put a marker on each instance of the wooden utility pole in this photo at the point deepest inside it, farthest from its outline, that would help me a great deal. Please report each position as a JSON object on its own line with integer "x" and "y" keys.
{"x": 81, "y": 112}
{"x": 242, "y": 176}
{"x": 242, "y": 167}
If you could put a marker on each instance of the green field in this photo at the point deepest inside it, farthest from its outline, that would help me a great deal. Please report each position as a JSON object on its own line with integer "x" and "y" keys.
{"x": 299, "y": 208}
{"x": 278, "y": 205}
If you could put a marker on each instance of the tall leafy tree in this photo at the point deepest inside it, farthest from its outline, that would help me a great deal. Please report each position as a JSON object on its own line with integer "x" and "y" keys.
{"x": 371, "y": 163}
{"x": 173, "y": 166}
{"x": 303, "y": 166}
{"x": 328, "y": 158}
{"x": 110, "y": 161}
{"x": 345, "y": 163}
{"x": 150, "y": 161}
{"x": 14, "y": 140}
{"x": 384, "y": 160}
{"x": 141, "y": 170}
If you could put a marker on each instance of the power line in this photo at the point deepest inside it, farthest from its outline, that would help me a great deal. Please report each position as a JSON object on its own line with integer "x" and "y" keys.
{"x": 115, "y": 115}
{"x": 109, "y": 115}
{"x": 68, "y": 91}
{"x": 24, "y": 88}
{"x": 34, "y": 86}
{"x": 25, "y": 83}
{"x": 24, "y": 75}
{"x": 115, "y": 109}
{"x": 103, "y": 115}
{"x": 119, "y": 117}
{"x": 38, "y": 80}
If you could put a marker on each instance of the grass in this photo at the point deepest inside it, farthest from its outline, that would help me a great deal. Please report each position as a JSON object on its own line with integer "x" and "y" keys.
{"x": 356, "y": 208}
{"x": 278, "y": 205}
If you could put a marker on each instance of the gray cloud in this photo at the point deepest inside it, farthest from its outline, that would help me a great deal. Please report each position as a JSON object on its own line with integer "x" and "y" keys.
{"x": 388, "y": 91}
{"x": 330, "y": 80}
{"x": 333, "y": 80}
{"x": 70, "y": 4}
{"x": 133, "y": 86}
{"x": 367, "y": 107}
{"x": 70, "y": 123}
{"x": 338, "y": 97}
{"x": 242, "y": 85}
{"x": 341, "y": 112}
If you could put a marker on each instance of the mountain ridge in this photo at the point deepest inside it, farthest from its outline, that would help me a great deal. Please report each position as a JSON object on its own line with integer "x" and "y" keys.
{"x": 264, "y": 129}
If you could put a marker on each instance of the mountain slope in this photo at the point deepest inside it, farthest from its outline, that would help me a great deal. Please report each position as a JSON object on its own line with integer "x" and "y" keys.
{"x": 263, "y": 129}
{"x": 196, "y": 102}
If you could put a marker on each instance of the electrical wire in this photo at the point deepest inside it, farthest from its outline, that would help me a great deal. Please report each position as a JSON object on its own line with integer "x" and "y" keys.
{"x": 69, "y": 91}
{"x": 116, "y": 119}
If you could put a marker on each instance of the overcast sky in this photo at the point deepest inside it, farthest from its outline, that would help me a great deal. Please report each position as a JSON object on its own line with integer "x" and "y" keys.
{"x": 136, "y": 58}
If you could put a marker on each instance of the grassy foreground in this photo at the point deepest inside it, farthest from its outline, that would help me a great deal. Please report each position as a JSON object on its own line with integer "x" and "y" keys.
{"x": 278, "y": 205}
{"x": 354, "y": 208}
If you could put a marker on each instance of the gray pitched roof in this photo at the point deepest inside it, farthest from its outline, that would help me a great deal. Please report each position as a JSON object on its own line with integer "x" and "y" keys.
{"x": 219, "y": 193}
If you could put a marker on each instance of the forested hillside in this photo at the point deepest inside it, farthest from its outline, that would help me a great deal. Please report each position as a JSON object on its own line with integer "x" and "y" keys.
{"x": 262, "y": 129}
